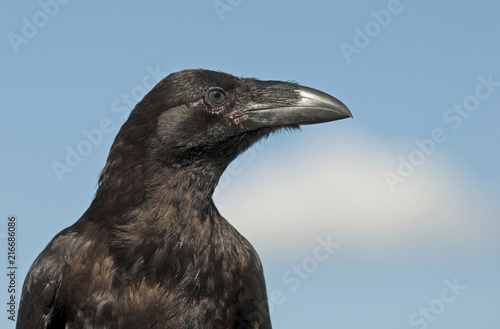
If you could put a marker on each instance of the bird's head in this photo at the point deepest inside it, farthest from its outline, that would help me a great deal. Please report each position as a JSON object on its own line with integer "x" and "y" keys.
{"x": 200, "y": 118}
{"x": 200, "y": 113}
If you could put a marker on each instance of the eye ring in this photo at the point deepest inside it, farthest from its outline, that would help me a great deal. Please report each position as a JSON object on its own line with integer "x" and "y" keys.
{"x": 216, "y": 96}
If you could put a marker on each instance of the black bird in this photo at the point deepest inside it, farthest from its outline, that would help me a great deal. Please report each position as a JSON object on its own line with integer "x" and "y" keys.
{"x": 152, "y": 251}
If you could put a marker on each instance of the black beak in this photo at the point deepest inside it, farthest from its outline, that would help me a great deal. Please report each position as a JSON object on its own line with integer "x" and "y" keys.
{"x": 287, "y": 104}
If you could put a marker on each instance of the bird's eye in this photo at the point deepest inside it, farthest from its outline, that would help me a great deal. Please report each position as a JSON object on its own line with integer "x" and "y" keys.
{"x": 217, "y": 96}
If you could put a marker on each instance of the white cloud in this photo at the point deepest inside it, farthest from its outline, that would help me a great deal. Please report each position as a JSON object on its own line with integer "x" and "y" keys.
{"x": 342, "y": 192}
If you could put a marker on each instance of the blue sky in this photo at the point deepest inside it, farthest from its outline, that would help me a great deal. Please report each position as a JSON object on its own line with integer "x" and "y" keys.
{"x": 408, "y": 190}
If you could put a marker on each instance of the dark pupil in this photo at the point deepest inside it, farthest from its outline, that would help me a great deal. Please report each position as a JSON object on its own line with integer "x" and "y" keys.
{"x": 217, "y": 96}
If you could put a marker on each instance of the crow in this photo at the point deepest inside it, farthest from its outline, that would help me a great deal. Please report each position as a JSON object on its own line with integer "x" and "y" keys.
{"x": 152, "y": 250}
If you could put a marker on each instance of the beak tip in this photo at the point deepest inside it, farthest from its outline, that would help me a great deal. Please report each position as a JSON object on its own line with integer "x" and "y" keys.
{"x": 344, "y": 109}
{"x": 315, "y": 98}
{"x": 350, "y": 114}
